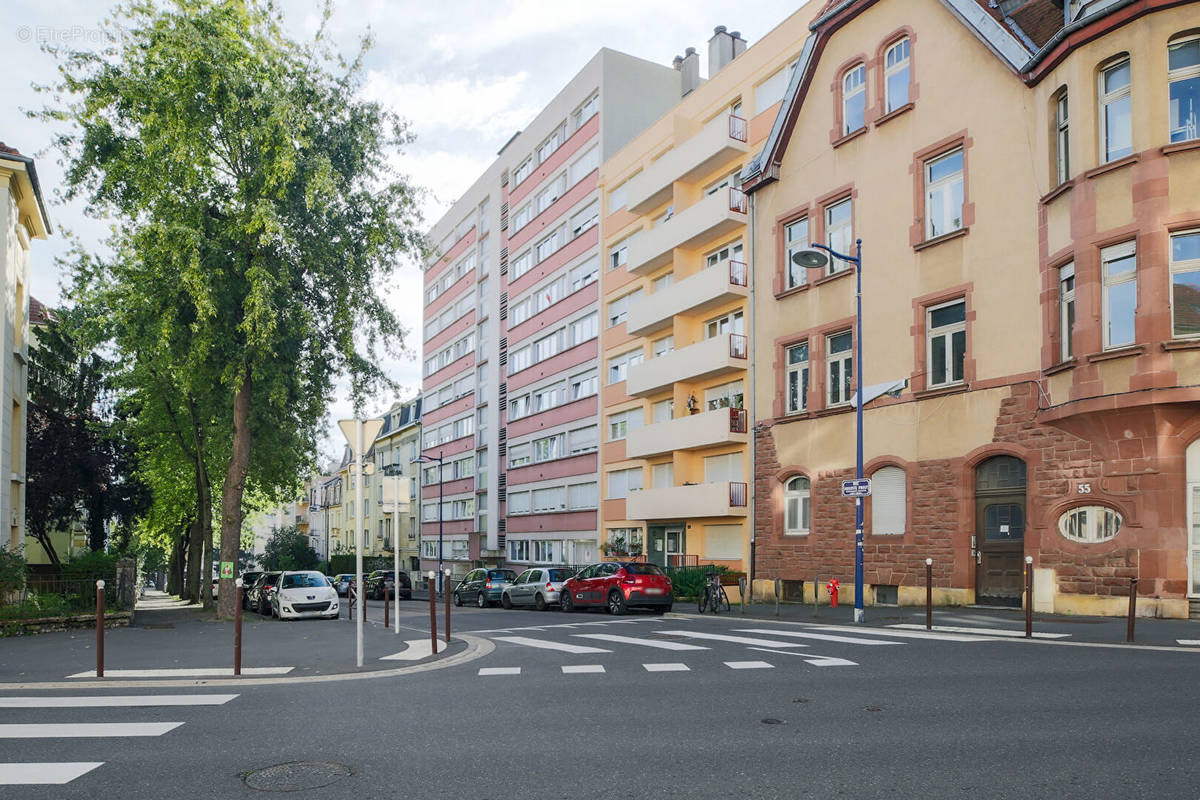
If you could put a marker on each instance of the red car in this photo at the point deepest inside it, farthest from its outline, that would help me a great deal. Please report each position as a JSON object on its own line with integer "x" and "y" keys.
{"x": 619, "y": 586}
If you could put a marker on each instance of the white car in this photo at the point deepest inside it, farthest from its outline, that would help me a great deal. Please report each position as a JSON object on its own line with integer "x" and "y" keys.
{"x": 304, "y": 594}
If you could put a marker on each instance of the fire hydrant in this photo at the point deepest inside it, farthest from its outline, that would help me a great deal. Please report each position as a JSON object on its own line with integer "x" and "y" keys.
{"x": 832, "y": 588}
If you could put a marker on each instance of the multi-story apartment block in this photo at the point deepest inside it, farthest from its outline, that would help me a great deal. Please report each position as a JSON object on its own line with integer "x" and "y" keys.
{"x": 396, "y": 449}
{"x": 675, "y": 312}
{"x": 511, "y": 321}
{"x": 23, "y": 217}
{"x": 1024, "y": 176}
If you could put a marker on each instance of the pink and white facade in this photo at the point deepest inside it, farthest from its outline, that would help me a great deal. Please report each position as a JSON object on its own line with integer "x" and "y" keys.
{"x": 511, "y": 323}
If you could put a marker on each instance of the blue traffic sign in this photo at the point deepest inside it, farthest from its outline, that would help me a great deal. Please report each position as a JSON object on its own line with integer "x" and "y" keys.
{"x": 859, "y": 487}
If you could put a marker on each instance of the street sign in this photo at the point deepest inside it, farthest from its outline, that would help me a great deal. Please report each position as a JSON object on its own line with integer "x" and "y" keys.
{"x": 860, "y": 487}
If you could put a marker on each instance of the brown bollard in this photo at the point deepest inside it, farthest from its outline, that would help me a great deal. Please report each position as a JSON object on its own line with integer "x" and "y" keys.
{"x": 446, "y": 595}
{"x": 433, "y": 612}
{"x": 1132, "y": 608}
{"x": 1028, "y": 597}
{"x": 929, "y": 594}
{"x": 237, "y": 628}
{"x": 99, "y": 629}
{"x": 387, "y": 605}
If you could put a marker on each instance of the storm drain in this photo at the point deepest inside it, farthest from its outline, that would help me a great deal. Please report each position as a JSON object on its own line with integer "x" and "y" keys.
{"x": 295, "y": 776}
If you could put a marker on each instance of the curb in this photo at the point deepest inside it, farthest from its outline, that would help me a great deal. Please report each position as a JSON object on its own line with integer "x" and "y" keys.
{"x": 477, "y": 647}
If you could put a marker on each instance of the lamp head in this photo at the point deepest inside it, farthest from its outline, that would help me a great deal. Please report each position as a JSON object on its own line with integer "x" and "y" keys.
{"x": 810, "y": 258}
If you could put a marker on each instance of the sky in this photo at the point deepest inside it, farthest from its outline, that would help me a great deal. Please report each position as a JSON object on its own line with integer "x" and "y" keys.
{"x": 465, "y": 74}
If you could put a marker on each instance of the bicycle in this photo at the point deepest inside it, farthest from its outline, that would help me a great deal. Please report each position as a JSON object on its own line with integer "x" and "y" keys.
{"x": 714, "y": 596}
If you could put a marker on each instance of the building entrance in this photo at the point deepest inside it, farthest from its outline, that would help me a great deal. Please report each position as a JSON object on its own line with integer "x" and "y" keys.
{"x": 999, "y": 540}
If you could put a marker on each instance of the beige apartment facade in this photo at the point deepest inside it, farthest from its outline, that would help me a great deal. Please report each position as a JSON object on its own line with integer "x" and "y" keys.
{"x": 1031, "y": 301}
{"x": 675, "y": 310}
{"x": 396, "y": 449}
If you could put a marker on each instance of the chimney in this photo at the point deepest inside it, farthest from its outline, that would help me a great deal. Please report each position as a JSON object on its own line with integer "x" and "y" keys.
{"x": 739, "y": 44}
{"x": 690, "y": 67}
{"x": 720, "y": 50}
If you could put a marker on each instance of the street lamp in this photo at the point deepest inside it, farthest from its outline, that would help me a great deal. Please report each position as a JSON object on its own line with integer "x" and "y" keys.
{"x": 817, "y": 256}
{"x": 440, "y": 462}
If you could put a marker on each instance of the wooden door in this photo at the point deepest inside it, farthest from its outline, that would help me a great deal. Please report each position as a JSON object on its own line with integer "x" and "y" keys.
{"x": 1000, "y": 531}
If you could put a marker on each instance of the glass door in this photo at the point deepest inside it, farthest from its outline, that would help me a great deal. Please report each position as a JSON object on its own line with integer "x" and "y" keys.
{"x": 674, "y": 550}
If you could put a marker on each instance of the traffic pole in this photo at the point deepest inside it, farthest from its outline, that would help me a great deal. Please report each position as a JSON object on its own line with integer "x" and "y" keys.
{"x": 446, "y": 595}
{"x": 237, "y": 629}
{"x": 99, "y": 629}
{"x": 929, "y": 594}
{"x": 1133, "y": 582}
{"x": 433, "y": 612}
{"x": 1028, "y": 597}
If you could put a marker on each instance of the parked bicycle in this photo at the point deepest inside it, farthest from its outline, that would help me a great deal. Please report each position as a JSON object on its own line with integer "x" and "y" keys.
{"x": 713, "y": 597}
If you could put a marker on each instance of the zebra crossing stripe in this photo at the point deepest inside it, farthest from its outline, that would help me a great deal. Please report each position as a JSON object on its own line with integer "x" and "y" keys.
{"x": 84, "y": 730}
{"x": 903, "y": 634}
{"x": 580, "y": 669}
{"x": 828, "y": 637}
{"x": 984, "y": 631}
{"x": 1188, "y": 641}
{"x": 499, "y": 670}
{"x": 661, "y": 645}
{"x": 812, "y": 658}
{"x": 117, "y": 701}
{"x": 45, "y": 773}
{"x": 547, "y": 645}
{"x": 673, "y": 667}
{"x": 749, "y": 665}
{"x": 721, "y": 637}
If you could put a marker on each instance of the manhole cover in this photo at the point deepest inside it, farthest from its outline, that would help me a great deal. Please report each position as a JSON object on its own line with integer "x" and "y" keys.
{"x": 295, "y": 775}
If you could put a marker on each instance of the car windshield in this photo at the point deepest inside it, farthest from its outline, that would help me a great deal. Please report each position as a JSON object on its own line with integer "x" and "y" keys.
{"x": 642, "y": 569}
{"x": 560, "y": 574}
{"x": 303, "y": 580}
{"x": 502, "y": 574}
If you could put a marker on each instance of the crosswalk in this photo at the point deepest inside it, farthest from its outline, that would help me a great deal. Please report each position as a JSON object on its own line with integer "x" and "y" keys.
{"x": 15, "y": 773}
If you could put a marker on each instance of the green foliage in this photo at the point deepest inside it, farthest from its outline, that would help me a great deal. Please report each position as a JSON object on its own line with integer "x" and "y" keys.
{"x": 12, "y": 570}
{"x": 288, "y": 548}
{"x": 688, "y": 582}
{"x": 345, "y": 563}
{"x": 93, "y": 566}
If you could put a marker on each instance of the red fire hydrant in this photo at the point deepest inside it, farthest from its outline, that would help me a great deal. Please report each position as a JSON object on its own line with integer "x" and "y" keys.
{"x": 832, "y": 588}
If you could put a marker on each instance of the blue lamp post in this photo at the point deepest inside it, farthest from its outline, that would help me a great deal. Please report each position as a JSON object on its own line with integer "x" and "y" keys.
{"x": 817, "y": 256}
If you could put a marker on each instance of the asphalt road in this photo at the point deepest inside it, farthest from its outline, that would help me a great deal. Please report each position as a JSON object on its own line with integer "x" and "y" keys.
{"x": 592, "y": 706}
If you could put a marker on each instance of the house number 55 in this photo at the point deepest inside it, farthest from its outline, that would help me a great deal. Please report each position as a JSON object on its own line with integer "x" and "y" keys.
{"x": 1084, "y": 488}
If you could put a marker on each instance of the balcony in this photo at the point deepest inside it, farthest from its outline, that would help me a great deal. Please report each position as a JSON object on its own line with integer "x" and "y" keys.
{"x": 725, "y": 499}
{"x": 720, "y": 426}
{"x": 717, "y": 214}
{"x": 716, "y": 356}
{"x": 719, "y": 141}
{"x": 705, "y": 290}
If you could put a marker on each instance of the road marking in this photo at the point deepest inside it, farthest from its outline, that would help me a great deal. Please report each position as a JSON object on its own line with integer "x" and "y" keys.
{"x": 608, "y": 637}
{"x": 813, "y": 658}
{"x": 545, "y": 645}
{"x": 205, "y": 672}
{"x": 499, "y": 670}
{"x": 749, "y": 665}
{"x": 117, "y": 701}
{"x": 981, "y": 631}
{"x": 49, "y": 772}
{"x": 828, "y": 637}
{"x": 84, "y": 730}
{"x": 666, "y": 667}
{"x": 579, "y": 669}
{"x": 416, "y": 650}
{"x": 721, "y": 637}
{"x": 918, "y": 634}
{"x": 549, "y": 626}
{"x": 1188, "y": 641}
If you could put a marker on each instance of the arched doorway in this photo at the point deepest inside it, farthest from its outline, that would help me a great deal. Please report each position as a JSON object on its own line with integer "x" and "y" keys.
{"x": 999, "y": 531}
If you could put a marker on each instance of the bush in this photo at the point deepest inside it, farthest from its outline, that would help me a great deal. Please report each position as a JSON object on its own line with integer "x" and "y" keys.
{"x": 12, "y": 571}
{"x": 93, "y": 566}
{"x": 688, "y": 582}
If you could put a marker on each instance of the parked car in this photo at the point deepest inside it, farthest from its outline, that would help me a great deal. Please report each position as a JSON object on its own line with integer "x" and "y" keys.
{"x": 249, "y": 578}
{"x": 538, "y": 587}
{"x": 304, "y": 594}
{"x": 483, "y": 586}
{"x": 619, "y": 586}
{"x": 341, "y": 582}
{"x": 381, "y": 581}
{"x": 260, "y": 595}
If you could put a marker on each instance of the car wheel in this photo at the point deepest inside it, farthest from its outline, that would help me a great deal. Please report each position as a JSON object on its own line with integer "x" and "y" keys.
{"x": 481, "y": 600}
{"x": 506, "y": 601}
{"x": 567, "y": 602}
{"x": 457, "y": 600}
{"x": 539, "y": 602}
{"x": 616, "y": 603}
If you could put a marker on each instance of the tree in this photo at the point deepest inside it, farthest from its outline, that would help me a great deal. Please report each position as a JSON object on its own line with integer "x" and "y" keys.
{"x": 257, "y": 214}
{"x": 288, "y": 548}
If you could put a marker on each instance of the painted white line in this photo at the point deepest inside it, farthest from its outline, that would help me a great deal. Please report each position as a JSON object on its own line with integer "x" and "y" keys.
{"x": 828, "y": 637}
{"x": 205, "y": 672}
{"x": 566, "y": 625}
{"x": 813, "y": 658}
{"x": 661, "y": 645}
{"x": 542, "y": 644}
{"x": 749, "y": 665}
{"x": 721, "y": 637}
{"x": 580, "y": 669}
{"x": 666, "y": 667}
{"x": 918, "y": 634}
{"x": 416, "y": 650}
{"x": 50, "y": 772}
{"x": 982, "y": 631}
{"x": 1188, "y": 641}
{"x": 117, "y": 701}
{"x": 499, "y": 670}
{"x": 84, "y": 730}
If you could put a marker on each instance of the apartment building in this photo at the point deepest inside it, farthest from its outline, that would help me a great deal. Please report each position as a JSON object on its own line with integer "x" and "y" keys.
{"x": 675, "y": 313}
{"x": 23, "y": 216}
{"x": 511, "y": 371}
{"x": 397, "y": 481}
{"x": 1024, "y": 176}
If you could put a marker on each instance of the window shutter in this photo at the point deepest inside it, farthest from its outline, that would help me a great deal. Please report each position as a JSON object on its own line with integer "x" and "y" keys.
{"x": 888, "y": 501}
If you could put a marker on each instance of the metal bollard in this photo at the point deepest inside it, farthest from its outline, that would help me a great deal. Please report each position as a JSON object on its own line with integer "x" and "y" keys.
{"x": 387, "y": 604}
{"x": 929, "y": 594}
{"x": 1028, "y": 597}
{"x": 99, "y": 629}
{"x": 433, "y": 612}
{"x": 237, "y": 629}
{"x": 816, "y": 593}
{"x": 742, "y": 592}
{"x": 778, "y": 593}
{"x": 446, "y": 594}
{"x": 1133, "y": 582}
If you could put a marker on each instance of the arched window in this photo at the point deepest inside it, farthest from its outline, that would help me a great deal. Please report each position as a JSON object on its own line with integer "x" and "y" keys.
{"x": 796, "y": 506}
{"x": 1089, "y": 524}
{"x": 889, "y": 501}
{"x": 896, "y": 75}
{"x": 854, "y": 99}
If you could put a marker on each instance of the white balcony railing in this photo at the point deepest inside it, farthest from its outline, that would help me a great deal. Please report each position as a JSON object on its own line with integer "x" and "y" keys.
{"x": 689, "y": 161}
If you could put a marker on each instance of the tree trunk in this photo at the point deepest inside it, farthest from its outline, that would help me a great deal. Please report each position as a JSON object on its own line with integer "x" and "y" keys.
{"x": 233, "y": 489}
{"x": 195, "y": 554}
{"x": 175, "y": 566}
{"x": 204, "y": 509}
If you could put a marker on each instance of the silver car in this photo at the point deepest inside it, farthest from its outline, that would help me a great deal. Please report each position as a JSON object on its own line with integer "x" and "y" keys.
{"x": 538, "y": 587}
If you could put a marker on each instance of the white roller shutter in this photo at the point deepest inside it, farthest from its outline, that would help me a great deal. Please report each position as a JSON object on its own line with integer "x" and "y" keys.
{"x": 888, "y": 501}
{"x": 723, "y": 542}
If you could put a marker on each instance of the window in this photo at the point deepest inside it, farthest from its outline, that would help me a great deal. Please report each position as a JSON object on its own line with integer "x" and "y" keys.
{"x": 619, "y": 255}
{"x": 617, "y": 198}
{"x": 584, "y": 273}
{"x": 895, "y": 75}
{"x": 583, "y": 440}
{"x": 732, "y": 322}
{"x": 727, "y": 395}
{"x": 584, "y": 165}
{"x": 519, "y": 407}
{"x": 1183, "y": 90}
{"x": 1066, "y": 311}
{"x": 585, "y": 219}
{"x": 585, "y": 328}
{"x": 723, "y": 542}
{"x": 662, "y": 282}
{"x": 797, "y": 378}
{"x": 549, "y": 448}
{"x": 584, "y": 385}
{"x": 943, "y": 194}
{"x": 620, "y": 423}
{"x": 663, "y": 410}
{"x": 854, "y": 99}
{"x": 518, "y": 502}
{"x": 585, "y": 111}
{"x": 518, "y": 455}
{"x": 722, "y": 256}
{"x": 1116, "y": 112}
{"x": 839, "y": 233}
{"x": 839, "y": 359}
{"x": 662, "y": 476}
{"x": 1119, "y": 264}
{"x": 544, "y": 551}
{"x": 547, "y": 347}
{"x": 889, "y": 502}
{"x": 771, "y": 91}
{"x": 663, "y": 346}
{"x": 550, "y": 499}
{"x": 795, "y": 239}
{"x": 555, "y": 141}
{"x": 946, "y": 336}
{"x": 521, "y": 264}
{"x": 734, "y": 179}
{"x": 522, "y": 172}
{"x": 618, "y": 366}
{"x": 796, "y": 506}
{"x": 719, "y": 469}
{"x": 1062, "y": 139}
{"x": 623, "y": 481}
{"x": 1090, "y": 524}
{"x": 551, "y": 193}
{"x": 618, "y": 310}
{"x": 582, "y": 495}
{"x": 522, "y": 217}
{"x": 518, "y": 550}
{"x": 546, "y": 247}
